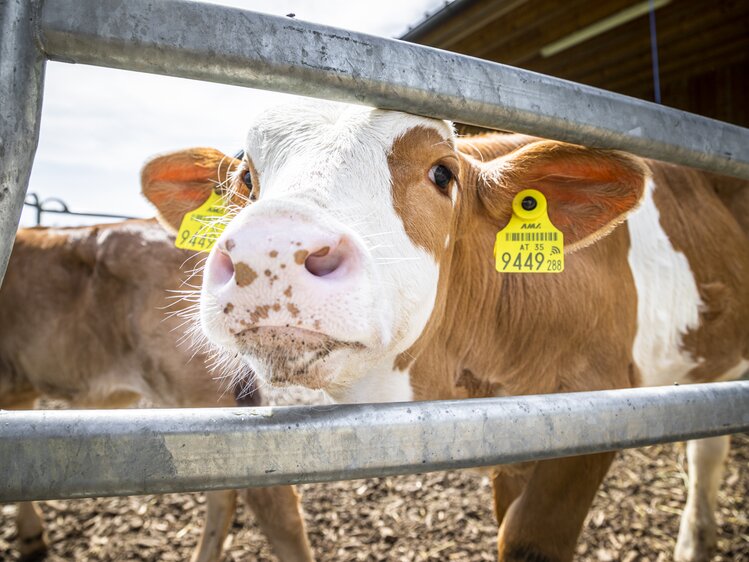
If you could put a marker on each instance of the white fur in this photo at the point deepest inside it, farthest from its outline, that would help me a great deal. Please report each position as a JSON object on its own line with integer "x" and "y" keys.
{"x": 379, "y": 385}
{"x": 697, "y": 531}
{"x": 668, "y": 302}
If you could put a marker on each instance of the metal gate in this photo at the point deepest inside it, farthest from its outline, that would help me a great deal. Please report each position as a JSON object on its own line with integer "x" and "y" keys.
{"x": 65, "y": 454}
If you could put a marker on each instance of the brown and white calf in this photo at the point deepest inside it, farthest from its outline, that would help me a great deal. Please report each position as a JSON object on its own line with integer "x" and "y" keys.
{"x": 83, "y": 318}
{"x": 365, "y": 267}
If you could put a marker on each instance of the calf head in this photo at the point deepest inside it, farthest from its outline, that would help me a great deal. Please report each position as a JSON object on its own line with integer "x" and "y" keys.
{"x": 332, "y": 270}
{"x": 342, "y": 258}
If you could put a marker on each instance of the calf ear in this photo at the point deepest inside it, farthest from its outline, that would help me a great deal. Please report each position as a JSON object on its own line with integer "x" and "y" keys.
{"x": 588, "y": 191}
{"x": 180, "y": 182}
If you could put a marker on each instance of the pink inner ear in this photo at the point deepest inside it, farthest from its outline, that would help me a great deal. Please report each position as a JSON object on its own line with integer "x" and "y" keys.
{"x": 587, "y": 190}
{"x": 187, "y": 166}
{"x": 190, "y": 194}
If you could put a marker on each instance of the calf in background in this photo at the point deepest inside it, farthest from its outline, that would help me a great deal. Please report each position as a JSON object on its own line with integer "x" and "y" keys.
{"x": 89, "y": 315}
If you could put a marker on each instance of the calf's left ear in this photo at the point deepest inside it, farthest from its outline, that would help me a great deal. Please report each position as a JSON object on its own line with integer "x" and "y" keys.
{"x": 588, "y": 191}
{"x": 180, "y": 182}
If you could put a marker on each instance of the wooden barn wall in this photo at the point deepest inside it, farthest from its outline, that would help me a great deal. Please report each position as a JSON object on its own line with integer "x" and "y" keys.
{"x": 703, "y": 48}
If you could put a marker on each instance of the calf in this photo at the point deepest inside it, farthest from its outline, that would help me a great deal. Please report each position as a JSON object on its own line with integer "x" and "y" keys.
{"x": 86, "y": 316}
{"x": 365, "y": 268}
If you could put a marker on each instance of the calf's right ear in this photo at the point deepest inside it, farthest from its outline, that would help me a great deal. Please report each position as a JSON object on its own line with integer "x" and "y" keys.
{"x": 180, "y": 182}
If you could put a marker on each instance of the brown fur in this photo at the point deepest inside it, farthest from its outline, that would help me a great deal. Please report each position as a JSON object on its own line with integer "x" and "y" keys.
{"x": 83, "y": 319}
{"x": 492, "y": 334}
{"x": 489, "y": 146}
{"x": 78, "y": 305}
{"x": 715, "y": 245}
{"x": 511, "y": 335}
{"x": 423, "y": 209}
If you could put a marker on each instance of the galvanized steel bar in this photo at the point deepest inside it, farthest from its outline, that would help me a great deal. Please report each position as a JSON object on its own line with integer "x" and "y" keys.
{"x": 232, "y": 46}
{"x": 72, "y": 454}
{"x": 21, "y": 83}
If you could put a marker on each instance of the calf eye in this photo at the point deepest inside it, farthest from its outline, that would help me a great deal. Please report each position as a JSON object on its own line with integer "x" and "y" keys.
{"x": 441, "y": 176}
{"x": 247, "y": 179}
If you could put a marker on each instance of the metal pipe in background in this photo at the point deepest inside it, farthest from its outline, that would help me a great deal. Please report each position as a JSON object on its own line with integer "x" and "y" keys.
{"x": 232, "y": 46}
{"x": 21, "y": 85}
{"x": 73, "y": 454}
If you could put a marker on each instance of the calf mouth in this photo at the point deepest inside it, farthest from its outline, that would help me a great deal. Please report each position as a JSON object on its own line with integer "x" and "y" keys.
{"x": 286, "y": 356}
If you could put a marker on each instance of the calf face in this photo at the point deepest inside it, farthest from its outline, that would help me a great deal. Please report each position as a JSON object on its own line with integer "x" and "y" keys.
{"x": 335, "y": 270}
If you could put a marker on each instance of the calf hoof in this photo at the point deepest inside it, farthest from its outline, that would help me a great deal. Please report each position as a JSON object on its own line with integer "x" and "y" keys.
{"x": 33, "y": 548}
{"x": 697, "y": 547}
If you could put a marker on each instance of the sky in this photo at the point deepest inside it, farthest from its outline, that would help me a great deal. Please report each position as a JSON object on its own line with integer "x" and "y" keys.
{"x": 100, "y": 125}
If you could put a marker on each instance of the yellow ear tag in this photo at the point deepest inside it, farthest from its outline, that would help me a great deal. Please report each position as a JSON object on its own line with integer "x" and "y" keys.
{"x": 529, "y": 243}
{"x": 201, "y": 228}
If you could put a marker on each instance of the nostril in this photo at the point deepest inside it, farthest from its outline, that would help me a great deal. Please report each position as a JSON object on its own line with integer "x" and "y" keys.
{"x": 221, "y": 268}
{"x": 323, "y": 262}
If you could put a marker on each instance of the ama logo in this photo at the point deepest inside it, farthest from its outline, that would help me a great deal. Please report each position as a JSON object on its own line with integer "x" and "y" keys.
{"x": 530, "y": 225}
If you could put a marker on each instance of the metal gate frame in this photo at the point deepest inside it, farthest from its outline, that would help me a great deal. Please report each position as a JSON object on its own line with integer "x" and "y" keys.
{"x": 76, "y": 454}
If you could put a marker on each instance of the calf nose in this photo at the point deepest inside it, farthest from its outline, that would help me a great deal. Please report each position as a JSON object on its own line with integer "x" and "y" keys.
{"x": 281, "y": 250}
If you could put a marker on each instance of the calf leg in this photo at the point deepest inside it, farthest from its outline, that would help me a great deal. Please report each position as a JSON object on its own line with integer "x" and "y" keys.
{"x": 220, "y": 508}
{"x": 32, "y": 540}
{"x": 697, "y": 533}
{"x": 543, "y": 523}
{"x": 506, "y": 487}
{"x": 279, "y": 515}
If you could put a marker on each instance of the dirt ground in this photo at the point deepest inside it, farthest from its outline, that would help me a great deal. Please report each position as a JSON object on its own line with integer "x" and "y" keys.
{"x": 435, "y": 516}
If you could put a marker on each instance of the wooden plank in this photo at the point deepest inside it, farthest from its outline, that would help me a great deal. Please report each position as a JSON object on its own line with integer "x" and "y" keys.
{"x": 695, "y": 46}
{"x": 517, "y": 50}
{"x": 685, "y": 65}
{"x": 473, "y": 20}
{"x": 719, "y": 94}
{"x": 515, "y": 23}
{"x": 617, "y": 46}
{"x": 458, "y": 20}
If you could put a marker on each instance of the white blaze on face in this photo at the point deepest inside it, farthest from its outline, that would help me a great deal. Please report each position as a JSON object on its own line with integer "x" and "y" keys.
{"x": 323, "y": 178}
{"x": 668, "y": 302}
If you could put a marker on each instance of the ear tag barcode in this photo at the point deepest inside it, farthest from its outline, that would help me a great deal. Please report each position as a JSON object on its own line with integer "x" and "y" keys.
{"x": 529, "y": 243}
{"x": 201, "y": 228}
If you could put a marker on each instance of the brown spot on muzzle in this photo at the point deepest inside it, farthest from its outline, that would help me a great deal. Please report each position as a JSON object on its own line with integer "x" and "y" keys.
{"x": 244, "y": 274}
{"x": 228, "y": 308}
{"x": 260, "y": 313}
{"x": 273, "y": 253}
{"x": 293, "y": 310}
{"x": 300, "y": 256}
